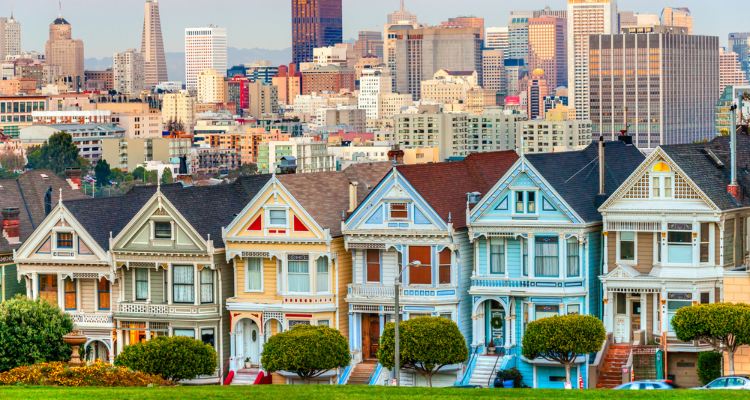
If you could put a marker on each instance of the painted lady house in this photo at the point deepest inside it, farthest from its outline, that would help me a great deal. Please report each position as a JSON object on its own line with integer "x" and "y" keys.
{"x": 674, "y": 230}
{"x": 288, "y": 258}
{"x": 536, "y": 238}
{"x": 170, "y": 263}
{"x": 414, "y": 224}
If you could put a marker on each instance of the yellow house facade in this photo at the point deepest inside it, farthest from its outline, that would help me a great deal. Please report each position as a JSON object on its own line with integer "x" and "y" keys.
{"x": 735, "y": 291}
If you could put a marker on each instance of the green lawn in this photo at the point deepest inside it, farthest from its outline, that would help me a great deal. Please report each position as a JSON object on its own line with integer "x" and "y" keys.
{"x": 341, "y": 392}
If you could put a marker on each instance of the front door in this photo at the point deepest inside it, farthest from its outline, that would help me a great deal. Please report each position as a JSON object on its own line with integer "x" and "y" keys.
{"x": 622, "y": 319}
{"x": 250, "y": 342}
{"x": 370, "y": 336}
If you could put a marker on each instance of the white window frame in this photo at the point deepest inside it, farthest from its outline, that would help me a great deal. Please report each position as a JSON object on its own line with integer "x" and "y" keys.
{"x": 535, "y": 305}
{"x": 135, "y": 285}
{"x": 693, "y": 249}
{"x": 662, "y": 177}
{"x": 74, "y": 240}
{"x": 268, "y": 217}
{"x": 567, "y": 308}
{"x": 311, "y": 282}
{"x": 634, "y": 261}
{"x": 525, "y": 192}
{"x": 185, "y": 329}
{"x": 262, "y": 277}
{"x": 505, "y": 257}
{"x": 712, "y": 227}
{"x": 315, "y": 278}
{"x": 388, "y": 211}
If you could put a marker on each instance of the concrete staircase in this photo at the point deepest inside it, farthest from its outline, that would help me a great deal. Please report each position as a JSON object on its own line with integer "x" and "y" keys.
{"x": 616, "y": 358}
{"x": 362, "y": 373}
{"x": 485, "y": 371}
{"x": 245, "y": 376}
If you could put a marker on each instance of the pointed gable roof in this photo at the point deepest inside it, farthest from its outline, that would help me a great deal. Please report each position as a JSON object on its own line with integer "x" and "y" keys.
{"x": 445, "y": 185}
{"x": 325, "y": 195}
{"x": 575, "y": 174}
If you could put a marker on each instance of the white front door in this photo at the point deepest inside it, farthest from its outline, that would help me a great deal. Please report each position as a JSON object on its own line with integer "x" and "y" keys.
{"x": 251, "y": 341}
{"x": 622, "y": 328}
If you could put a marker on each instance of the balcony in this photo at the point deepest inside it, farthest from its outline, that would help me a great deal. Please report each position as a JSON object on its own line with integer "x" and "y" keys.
{"x": 92, "y": 320}
{"x": 491, "y": 285}
{"x": 166, "y": 310}
{"x": 408, "y": 294}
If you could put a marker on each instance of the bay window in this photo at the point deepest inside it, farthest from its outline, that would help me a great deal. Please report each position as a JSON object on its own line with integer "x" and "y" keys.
{"x": 680, "y": 244}
{"x": 299, "y": 274}
{"x": 497, "y": 256}
{"x": 444, "y": 272}
{"x": 372, "y": 266}
{"x": 322, "y": 278}
{"x": 254, "y": 275}
{"x": 627, "y": 246}
{"x": 420, "y": 274}
{"x": 207, "y": 285}
{"x": 141, "y": 283}
{"x": 183, "y": 284}
{"x": 574, "y": 258}
{"x": 547, "y": 263}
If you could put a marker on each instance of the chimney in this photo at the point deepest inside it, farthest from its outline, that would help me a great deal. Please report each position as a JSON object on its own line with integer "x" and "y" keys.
{"x": 601, "y": 166}
{"x": 11, "y": 225}
{"x": 396, "y": 155}
{"x": 48, "y": 201}
{"x": 733, "y": 189}
{"x": 353, "y": 196}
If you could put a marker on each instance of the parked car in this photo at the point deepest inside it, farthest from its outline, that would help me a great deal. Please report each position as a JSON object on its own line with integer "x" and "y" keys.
{"x": 646, "y": 385}
{"x": 737, "y": 382}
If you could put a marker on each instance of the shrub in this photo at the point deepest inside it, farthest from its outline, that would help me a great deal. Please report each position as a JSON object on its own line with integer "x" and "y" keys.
{"x": 61, "y": 374}
{"x": 31, "y": 332}
{"x": 709, "y": 366}
{"x": 309, "y": 351}
{"x": 563, "y": 338}
{"x": 427, "y": 345}
{"x": 174, "y": 358}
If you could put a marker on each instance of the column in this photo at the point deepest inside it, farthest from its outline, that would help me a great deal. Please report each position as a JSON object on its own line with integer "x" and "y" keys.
{"x": 232, "y": 351}
{"x": 60, "y": 291}
{"x": 605, "y": 265}
{"x": 532, "y": 259}
{"x": 655, "y": 309}
{"x": 196, "y": 285}
{"x": 508, "y": 325}
{"x": 169, "y": 284}
{"x": 34, "y": 285}
{"x": 608, "y": 311}
{"x": 562, "y": 258}
{"x": 644, "y": 313}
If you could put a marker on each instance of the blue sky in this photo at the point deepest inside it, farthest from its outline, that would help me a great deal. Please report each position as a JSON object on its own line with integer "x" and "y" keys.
{"x": 107, "y": 26}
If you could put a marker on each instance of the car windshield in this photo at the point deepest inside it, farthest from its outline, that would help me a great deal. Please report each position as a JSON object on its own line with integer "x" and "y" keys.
{"x": 719, "y": 383}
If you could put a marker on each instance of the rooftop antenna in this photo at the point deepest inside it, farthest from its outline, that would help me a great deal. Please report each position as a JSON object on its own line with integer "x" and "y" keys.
{"x": 403, "y": 7}
{"x": 59, "y": 8}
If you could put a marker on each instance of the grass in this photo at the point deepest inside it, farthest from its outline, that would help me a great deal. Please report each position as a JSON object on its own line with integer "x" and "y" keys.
{"x": 342, "y": 392}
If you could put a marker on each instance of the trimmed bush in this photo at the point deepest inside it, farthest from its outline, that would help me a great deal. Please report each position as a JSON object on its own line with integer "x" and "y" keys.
{"x": 31, "y": 332}
{"x": 308, "y": 351}
{"x": 61, "y": 374}
{"x": 709, "y": 366}
{"x": 427, "y": 345}
{"x": 175, "y": 358}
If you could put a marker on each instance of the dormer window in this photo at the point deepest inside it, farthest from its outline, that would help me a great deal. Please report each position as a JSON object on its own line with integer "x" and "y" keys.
{"x": 162, "y": 230}
{"x": 398, "y": 211}
{"x": 65, "y": 240}
{"x": 277, "y": 218}
{"x": 662, "y": 181}
{"x": 525, "y": 202}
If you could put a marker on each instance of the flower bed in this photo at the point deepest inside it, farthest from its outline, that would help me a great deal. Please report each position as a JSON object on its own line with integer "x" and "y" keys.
{"x": 61, "y": 374}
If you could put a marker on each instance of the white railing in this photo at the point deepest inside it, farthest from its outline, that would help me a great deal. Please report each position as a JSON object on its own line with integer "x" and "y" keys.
{"x": 383, "y": 291}
{"x": 166, "y": 309}
{"x": 86, "y": 319}
{"x": 375, "y": 291}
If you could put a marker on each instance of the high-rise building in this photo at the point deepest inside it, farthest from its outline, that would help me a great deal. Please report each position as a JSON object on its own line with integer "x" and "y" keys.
{"x": 205, "y": 48}
{"x": 128, "y": 72}
{"x": 369, "y": 43}
{"x": 585, "y": 17}
{"x": 10, "y": 37}
{"x": 237, "y": 93}
{"x": 374, "y": 84}
{"x": 677, "y": 17}
{"x": 518, "y": 31}
{"x": 327, "y": 78}
{"x": 515, "y": 70}
{"x": 547, "y": 50}
{"x": 64, "y": 54}
{"x": 315, "y": 23}
{"x": 465, "y": 22}
{"x": 211, "y": 87}
{"x": 739, "y": 42}
{"x": 392, "y": 35}
{"x": 630, "y": 19}
{"x": 288, "y": 81}
{"x": 402, "y": 16}
{"x": 179, "y": 107}
{"x": 535, "y": 94}
{"x": 493, "y": 71}
{"x": 730, "y": 73}
{"x": 264, "y": 99}
{"x": 667, "y": 98}
{"x": 497, "y": 38}
{"x": 152, "y": 46}
{"x": 421, "y": 52}
{"x": 548, "y": 12}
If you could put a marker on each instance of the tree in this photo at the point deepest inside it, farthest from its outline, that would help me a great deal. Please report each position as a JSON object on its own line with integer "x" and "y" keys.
{"x": 32, "y": 332}
{"x": 427, "y": 345}
{"x": 58, "y": 153}
{"x": 726, "y": 326}
{"x": 243, "y": 170}
{"x": 140, "y": 174}
{"x": 562, "y": 339}
{"x": 308, "y": 351}
{"x": 102, "y": 173}
{"x": 175, "y": 358}
{"x": 709, "y": 366}
{"x": 11, "y": 161}
{"x": 166, "y": 176}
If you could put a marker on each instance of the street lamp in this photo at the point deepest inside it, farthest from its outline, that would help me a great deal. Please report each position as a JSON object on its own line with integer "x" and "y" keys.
{"x": 397, "y": 358}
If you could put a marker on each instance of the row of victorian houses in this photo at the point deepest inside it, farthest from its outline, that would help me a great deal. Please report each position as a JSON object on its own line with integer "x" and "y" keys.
{"x": 492, "y": 242}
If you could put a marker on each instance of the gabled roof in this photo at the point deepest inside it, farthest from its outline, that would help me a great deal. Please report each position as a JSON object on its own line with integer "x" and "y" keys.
{"x": 325, "y": 195}
{"x": 207, "y": 208}
{"x": 445, "y": 185}
{"x": 712, "y": 179}
{"x": 575, "y": 174}
{"x": 27, "y": 194}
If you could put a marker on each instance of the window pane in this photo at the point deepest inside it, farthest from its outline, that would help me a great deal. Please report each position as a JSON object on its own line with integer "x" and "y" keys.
{"x": 253, "y": 278}
{"x": 103, "y": 290}
{"x": 299, "y": 276}
{"x": 277, "y": 217}
{"x": 546, "y": 311}
{"x": 322, "y": 280}
{"x": 162, "y": 230}
{"x": 546, "y": 261}
{"x": 184, "y": 332}
{"x": 497, "y": 256}
{"x": 627, "y": 246}
{"x": 64, "y": 240}
{"x": 141, "y": 284}
{"x": 422, "y": 274}
{"x": 183, "y": 281}
{"x": 525, "y": 260}
{"x": 705, "y": 242}
{"x": 574, "y": 260}
{"x": 531, "y": 202}
{"x": 445, "y": 267}
{"x": 399, "y": 211}
{"x": 373, "y": 265}
{"x": 668, "y": 187}
{"x": 519, "y": 202}
{"x": 680, "y": 249}
{"x": 70, "y": 294}
{"x": 207, "y": 336}
{"x": 207, "y": 285}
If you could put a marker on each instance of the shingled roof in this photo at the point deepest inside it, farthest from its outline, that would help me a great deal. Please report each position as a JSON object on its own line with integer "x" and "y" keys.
{"x": 325, "y": 195}
{"x": 207, "y": 208}
{"x": 575, "y": 174}
{"x": 27, "y": 194}
{"x": 445, "y": 185}
{"x": 711, "y": 177}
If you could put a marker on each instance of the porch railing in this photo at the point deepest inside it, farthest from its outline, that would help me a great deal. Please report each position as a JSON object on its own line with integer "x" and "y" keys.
{"x": 92, "y": 319}
{"x": 486, "y": 282}
{"x": 384, "y": 291}
{"x": 167, "y": 309}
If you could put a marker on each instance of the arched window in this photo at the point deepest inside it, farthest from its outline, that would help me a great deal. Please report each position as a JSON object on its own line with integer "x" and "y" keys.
{"x": 662, "y": 181}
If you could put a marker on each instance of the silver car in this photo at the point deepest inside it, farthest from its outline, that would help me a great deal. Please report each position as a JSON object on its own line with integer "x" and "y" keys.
{"x": 729, "y": 383}
{"x": 645, "y": 385}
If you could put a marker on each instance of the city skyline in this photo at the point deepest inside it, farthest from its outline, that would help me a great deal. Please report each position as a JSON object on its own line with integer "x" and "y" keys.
{"x": 35, "y": 16}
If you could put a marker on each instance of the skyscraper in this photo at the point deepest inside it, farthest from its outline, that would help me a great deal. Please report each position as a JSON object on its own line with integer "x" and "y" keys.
{"x": 497, "y": 38}
{"x": 535, "y": 94}
{"x": 739, "y": 42}
{"x": 152, "y": 46}
{"x": 205, "y": 48}
{"x": 10, "y": 37}
{"x": 547, "y": 50}
{"x": 128, "y": 72}
{"x": 64, "y": 54}
{"x": 519, "y": 35}
{"x": 465, "y": 22}
{"x": 369, "y": 43}
{"x": 585, "y": 17}
{"x": 730, "y": 73}
{"x": 678, "y": 17}
{"x": 401, "y": 16}
{"x": 667, "y": 97}
{"x": 315, "y": 23}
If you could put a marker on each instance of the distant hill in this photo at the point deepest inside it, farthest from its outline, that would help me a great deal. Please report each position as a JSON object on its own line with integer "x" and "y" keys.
{"x": 176, "y": 60}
